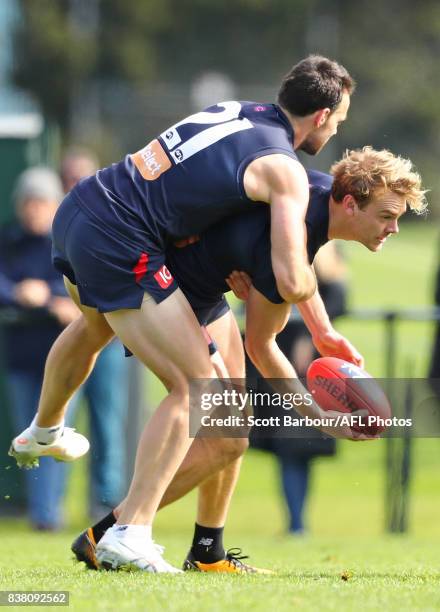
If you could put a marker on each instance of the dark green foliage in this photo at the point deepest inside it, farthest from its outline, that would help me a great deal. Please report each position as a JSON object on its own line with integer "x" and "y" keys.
{"x": 391, "y": 49}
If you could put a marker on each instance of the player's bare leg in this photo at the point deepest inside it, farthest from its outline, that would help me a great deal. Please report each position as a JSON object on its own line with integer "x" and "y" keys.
{"x": 208, "y": 456}
{"x": 204, "y": 458}
{"x": 69, "y": 362}
{"x": 215, "y": 493}
{"x": 167, "y": 339}
{"x": 213, "y": 462}
{"x": 160, "y": 336}
{"x": 71, "y": 359}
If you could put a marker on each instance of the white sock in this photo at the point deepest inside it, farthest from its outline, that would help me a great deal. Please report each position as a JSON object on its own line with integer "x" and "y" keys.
{"x": 137, "y": 533}
{"x": 46, "y": 435}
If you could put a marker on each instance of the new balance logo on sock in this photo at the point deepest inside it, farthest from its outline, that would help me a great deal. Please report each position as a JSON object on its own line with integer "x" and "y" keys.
{"x": 123, "y": 528}
{"x": 205, "y": 541}
{"x": 54, "y": 429}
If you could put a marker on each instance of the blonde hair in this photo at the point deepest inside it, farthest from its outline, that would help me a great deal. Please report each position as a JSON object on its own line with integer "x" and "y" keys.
{"x": 363, "y": 172}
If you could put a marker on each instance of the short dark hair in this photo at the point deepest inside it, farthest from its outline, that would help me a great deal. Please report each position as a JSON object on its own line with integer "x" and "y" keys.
{"x": 314, "y": 83}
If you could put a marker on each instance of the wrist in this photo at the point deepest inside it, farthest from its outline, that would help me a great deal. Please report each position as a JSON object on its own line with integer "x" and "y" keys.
{"x": 323, "y": 332}
{"x": 318, "y": 323}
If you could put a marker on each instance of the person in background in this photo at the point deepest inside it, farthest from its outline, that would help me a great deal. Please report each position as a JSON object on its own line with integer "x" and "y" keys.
{"x": 434, "y": 365}
{"x": 31, "y": 286}
{"x": 295, "y": 455}
{"x": 105, "y": 391}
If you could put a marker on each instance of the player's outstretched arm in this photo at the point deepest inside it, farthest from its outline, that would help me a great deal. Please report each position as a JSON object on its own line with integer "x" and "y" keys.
{"x": 264, "y": 321}
{"x": 328, "y": 342}
{"x": 282, "y": 182}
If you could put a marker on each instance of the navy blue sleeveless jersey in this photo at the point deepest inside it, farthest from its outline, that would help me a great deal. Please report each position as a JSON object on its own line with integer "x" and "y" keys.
{"x": 242, "y": 242}
{"x": 188, "y": 178}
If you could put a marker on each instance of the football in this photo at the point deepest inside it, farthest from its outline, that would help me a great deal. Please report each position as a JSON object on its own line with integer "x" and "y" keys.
{"x": 339, "y": 385}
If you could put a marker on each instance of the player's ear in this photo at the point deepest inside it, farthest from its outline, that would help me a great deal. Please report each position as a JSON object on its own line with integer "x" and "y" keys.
{"x": 321, "y": 117}
{"x": 349, "y": 204}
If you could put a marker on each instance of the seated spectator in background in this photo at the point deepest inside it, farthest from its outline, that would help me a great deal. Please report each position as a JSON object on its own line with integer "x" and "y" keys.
{"x": 105, "y": 391}
{"x": 295, "y": 455}
{"x": 31, "y": 285}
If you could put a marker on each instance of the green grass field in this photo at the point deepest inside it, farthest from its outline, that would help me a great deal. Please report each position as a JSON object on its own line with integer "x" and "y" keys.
{"x": 346, "y": 520}
{"x": 346, "y": 563}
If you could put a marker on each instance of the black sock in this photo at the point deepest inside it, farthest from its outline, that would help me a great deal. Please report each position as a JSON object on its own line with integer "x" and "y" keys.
{"x": 207, "y": 546}
{"x": 100, "y": 528}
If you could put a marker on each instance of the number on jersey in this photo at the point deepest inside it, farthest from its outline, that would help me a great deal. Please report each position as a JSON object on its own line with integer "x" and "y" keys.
{"x": 152, "y": 161}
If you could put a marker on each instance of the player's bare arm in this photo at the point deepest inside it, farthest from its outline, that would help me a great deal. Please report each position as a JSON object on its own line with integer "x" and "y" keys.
{"x": 328, "y": 342}
{"x": 282, "y": 182}
{"x": 264, "y": 320}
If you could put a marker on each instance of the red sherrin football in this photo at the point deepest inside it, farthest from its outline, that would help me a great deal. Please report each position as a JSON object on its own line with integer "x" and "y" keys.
{"x": 339, "y": 385}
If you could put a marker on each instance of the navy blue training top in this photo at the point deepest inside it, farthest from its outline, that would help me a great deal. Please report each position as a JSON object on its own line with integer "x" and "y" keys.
{"x": 242, "y": 242}
{"x": 191, "y": 176}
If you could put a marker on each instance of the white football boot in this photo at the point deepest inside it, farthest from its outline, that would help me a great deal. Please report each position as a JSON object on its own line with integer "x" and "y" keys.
{"x": 114, "y": 553}
{"x": 26, "y": 450}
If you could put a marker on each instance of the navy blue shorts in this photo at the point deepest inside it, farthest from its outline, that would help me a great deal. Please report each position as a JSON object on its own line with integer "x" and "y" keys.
{"x": 112, "y": 267}
{"x": 209, "y": 312}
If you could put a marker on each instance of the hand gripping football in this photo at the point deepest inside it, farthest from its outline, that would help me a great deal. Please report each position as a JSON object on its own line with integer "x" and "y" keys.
{"x": 339, "y": 385}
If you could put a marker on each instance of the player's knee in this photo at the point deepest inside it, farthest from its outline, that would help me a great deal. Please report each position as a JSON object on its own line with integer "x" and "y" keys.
{"x": 203, "y": 370}
{"x": 233, "y": 448}
{"x": 201, "y": 378}
{"x": 94, "y": 334}
{"x": 254, "y": 349}
{"x": 177, "y": 411}
{"x": 179, "y": 390}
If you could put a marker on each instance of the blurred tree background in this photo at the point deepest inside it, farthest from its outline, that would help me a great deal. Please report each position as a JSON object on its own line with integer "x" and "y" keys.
{"x": 112, "y": 73}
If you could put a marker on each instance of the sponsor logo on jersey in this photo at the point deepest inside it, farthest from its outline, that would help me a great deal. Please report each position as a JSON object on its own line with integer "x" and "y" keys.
{"x": 164, "y": 277}
{"x": 151, "y": 161}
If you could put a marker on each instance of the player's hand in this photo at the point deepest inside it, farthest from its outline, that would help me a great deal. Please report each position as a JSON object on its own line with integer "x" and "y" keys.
{"x": 338, "y": 430}
{"x": 333, "y": 344}
{"x": 240, "y": 284}
{"x": 32, "y": 293}
{"x": 64, "y": 310}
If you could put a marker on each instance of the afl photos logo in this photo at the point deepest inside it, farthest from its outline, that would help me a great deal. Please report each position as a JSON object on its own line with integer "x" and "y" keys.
{"x": 164, "y": 277}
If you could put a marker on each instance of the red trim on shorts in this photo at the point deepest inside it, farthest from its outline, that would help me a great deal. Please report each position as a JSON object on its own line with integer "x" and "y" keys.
{"x": 141, "y": 267}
